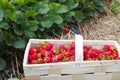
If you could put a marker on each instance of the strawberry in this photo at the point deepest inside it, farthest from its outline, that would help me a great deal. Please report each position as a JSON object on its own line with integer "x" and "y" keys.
{"x": 67, "y": 54}
{"x": 53, "y": 49}
{"x": 95, "y": 59}
{"x": 32, "y": 51}
{"x": 117, "y": 58}
{"x": 62, "y": 47}
{"x": 35, "y": 55}
{"x": 107, "y": 53}
{"x": 43, "y": 53}
{"x": 50, "y": 53}
{"x": 30, "y": 57}
{"x": 59, "y": 57}
{"x": 87, "y": 56}
{"x": 44, "y": 47}
{"x": 49, "y": 46}
{"x": 54, "y": 60}
{"x": 106, "y": 47}
{"x": 72, "y": 46}
{"x": 39, "y": 49}
{"x": 72, "y": 58}
{"x": 104, "y": 13}
{"x": 66, "y": 30}
{"x": 33, "y": 62}
{"x": 40, "y": 61}
{"x": 48, "y": 59}
{"x": 93, "y": 54}
{"x": 72, "y": 52}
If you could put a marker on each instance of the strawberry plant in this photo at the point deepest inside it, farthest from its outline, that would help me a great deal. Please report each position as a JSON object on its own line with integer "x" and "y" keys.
{"x": 21, "y": 20}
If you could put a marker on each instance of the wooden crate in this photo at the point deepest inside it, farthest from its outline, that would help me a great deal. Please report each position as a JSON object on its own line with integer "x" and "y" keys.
{"x": 40, "y": 69}
{"x": 78, "y": 70}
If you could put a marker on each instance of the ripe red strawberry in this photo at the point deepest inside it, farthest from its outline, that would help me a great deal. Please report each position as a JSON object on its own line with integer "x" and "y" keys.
{"x": 85, "y": 51}
{"x": 113, "y": 49}
{"x": 32, "y": 51}
{"x": 107, "y": 53}
{"x": 49, "y": 53}
{"x": 43, "y": 53}
{"x": 39, "y": 49}
{"x": 114, "y": 54}
{"x": 100, "y": 56}
{"x": 33, "y": 62}
{"x": 66, "y": 30}
{"x": 49, "y": 46}
{"x": 54, "y": 60}
{"x": 87, "y": 56}
{"x": 45, "y": 47}
{"x": 59, "y": 57}
{"x": 93, "y": 54}
{"x": 104, "y": 13}
{"x": 48, "y": 59}
{"x": 67, "y": 54}
{"x": 117, "y": 58}
{"x": 62, "y": 47}
{"x": 106, "y": 47}
{"x": 30, "y": 57}
{"x": 72, "y": 52}
{"x": 95, "y": 59}
{"x": 35, "y": 55}
{"x": 72, "y": 58}
{"x": 40, "y": 61}
{"x": 72, "y": 46}
{"x": 53, "y": 49}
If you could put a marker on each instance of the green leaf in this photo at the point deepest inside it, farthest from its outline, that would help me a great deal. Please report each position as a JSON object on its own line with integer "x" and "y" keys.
{"x": 13, "y": 16}
{"x": 99, "y": 5}
{"x": 42, "y": 8}
{"x": 47, "y": 23}
{"x": 62, "y": 1}
{"x": 19, "y": 44}
{"x": 57, "y": 19}
{"x": 58, "y": 8}
{"x": 4, "y": 25}
{"x": 33, "y": 26}
{"x": 19, "y": 1}
{"x": 83, "y": 1}
{"x": 1, "y": 36}
{"x": 72, "y": 5}
{"x": 18, "y": 30}
{"x": 68, "y": 16}
{"x": 29, "y": 33}
{"x": 1, "y": 15}
{"x": 2, "y": 64}
{"x": 113, "y": 7}
{"x": 29, "y": 13}
{"x": 78, "y": 16}
{"x": 61, "y": 9}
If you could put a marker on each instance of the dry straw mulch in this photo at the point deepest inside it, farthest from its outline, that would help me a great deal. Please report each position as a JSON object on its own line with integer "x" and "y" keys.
{"x": 107, "y": 28}
{"x": 100, "y": 27}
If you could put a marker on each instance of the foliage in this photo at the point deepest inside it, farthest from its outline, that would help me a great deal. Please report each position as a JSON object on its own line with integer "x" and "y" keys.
{"x": 113, "y": 7}
{"x": 2, "y": 64}
{"x": 21, "y": 20}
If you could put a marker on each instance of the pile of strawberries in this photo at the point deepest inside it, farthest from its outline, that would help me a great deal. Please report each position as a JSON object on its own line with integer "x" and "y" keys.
{"x": 108, "y": 52}
{"x": 48, "y": 53}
